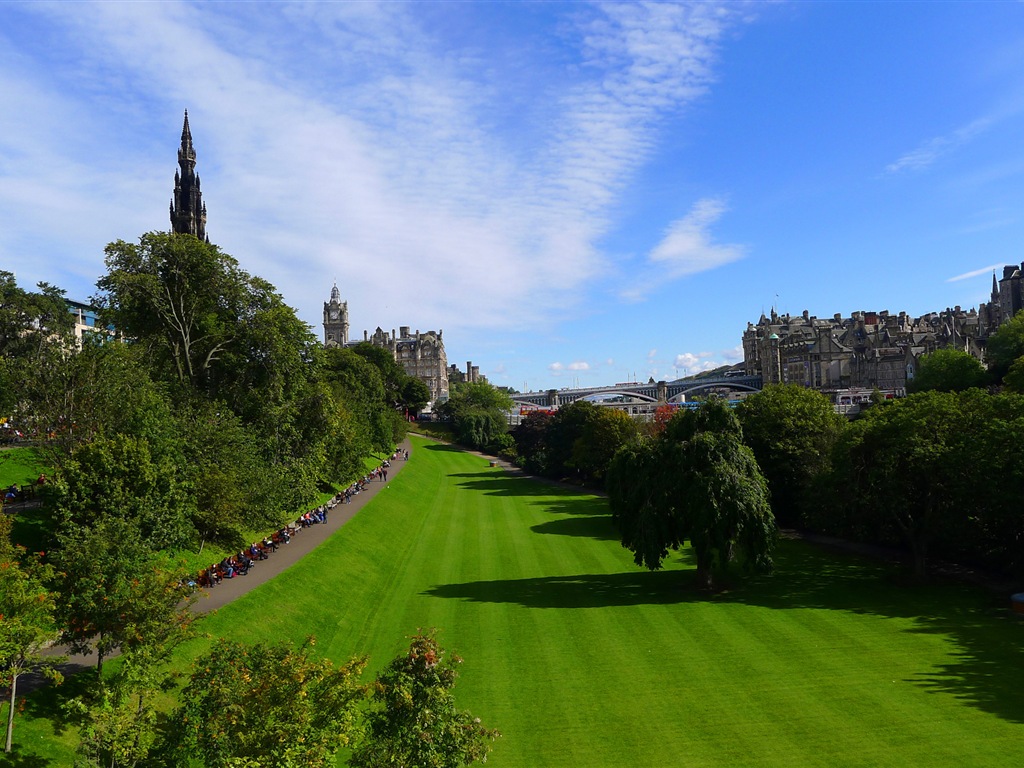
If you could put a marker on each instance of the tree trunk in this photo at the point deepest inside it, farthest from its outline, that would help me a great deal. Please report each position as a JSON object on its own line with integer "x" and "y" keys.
{"x": 705, "y": 571}
{"x": 919, "y": 548}
{"x": 10, "y": 712}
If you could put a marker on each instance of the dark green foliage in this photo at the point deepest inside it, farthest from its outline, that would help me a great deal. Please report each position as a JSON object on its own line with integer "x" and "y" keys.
{"x": 566, "y": 427}
{"x": 413, "y": 719}
{"x": 1005, "y": 346}
{"x": 264, "y": 705}
{"x": 938, "y": 471}
{"x": 415, "y": 395}
{"x": 695, "y": 481}
{"x": 608, "y": 430}
{"x": 479, "y": 415}
{"x": 531, "y": 437}
{"x": 792, "y": 431}
{"x": 948, "y": 370}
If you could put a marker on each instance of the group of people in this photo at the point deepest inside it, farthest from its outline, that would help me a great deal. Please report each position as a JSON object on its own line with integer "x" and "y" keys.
{"x": 14, "y": 493}
{"x": 240, "y": 563}
{"x": 380, "y": 473}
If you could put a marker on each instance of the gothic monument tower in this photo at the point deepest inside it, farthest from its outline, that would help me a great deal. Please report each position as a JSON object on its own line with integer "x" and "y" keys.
{"x": 188, "y": 212}
{"x": 335, "y": 320}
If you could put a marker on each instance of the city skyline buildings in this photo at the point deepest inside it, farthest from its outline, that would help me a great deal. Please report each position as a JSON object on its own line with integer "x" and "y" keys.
{"x": 573, "y": 191}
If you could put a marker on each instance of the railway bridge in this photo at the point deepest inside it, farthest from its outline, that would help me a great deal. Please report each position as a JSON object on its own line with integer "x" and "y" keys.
{"x": 634, "y": 393}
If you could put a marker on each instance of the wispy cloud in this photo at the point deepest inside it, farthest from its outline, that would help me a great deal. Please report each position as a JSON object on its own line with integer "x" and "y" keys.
{"x": 975, "y": 272}
{"x": 686, "y": 249}
{"x": 349, "y": 141}
{"x": 931, "y": 150}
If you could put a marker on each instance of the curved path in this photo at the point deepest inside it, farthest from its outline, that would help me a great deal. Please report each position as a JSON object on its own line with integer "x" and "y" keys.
{"x": 301, "y": 544}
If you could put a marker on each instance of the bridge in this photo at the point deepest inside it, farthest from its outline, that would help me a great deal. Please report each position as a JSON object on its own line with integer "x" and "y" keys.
{"x": 634, "y": 393}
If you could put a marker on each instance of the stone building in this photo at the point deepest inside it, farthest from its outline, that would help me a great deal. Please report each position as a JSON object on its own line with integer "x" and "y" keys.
{"x": 421, "y": 355}
{"x": 868, "y": 349}
{"x": 471, "y": 374}
{"x": 1007, "y": 299}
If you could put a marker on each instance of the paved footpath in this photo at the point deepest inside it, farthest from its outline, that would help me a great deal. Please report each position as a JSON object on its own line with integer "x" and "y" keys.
{"x": 301, "y": 544}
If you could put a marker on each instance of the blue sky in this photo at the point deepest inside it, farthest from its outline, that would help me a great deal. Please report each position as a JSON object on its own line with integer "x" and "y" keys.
{"x": 574, "y": 192}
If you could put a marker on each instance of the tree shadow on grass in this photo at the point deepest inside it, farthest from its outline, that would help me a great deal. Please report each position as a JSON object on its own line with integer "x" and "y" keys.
{"x": 43, "y": 700}
{"x": 19, "y": 758}
{"x": 987, "y": 671}
{"x": 442, "y": 447}
{"x": 594, "y": 527}
{"x": 589, "y": 506}
{"x": 503, "y": 484}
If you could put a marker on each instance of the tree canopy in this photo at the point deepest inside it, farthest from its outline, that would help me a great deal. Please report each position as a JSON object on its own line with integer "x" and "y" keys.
{"x": 1005, "y": 346}
{"x": 695, "y": 481}
{"x": 948, "y": 370}
{"x": 791, "y": 430}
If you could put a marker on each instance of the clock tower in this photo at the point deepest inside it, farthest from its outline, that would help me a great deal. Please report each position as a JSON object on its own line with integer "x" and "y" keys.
{"x": 335, "y": 320}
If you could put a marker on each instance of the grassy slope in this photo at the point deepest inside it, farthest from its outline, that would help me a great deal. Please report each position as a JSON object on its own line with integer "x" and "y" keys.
{"x": 581, "y": 659}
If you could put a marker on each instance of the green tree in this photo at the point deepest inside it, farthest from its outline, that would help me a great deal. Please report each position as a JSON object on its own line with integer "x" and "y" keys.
{"x": 901, "y": 466}
{"x": 566, "y": 428}
{"x": 117, "y": 718}
{"x": 792, "y": 431}
{"x": 358, "y": 385}
{"x": 265, "y": 705}
{"x": 531, "y": 436}
{"x": 31, "y": 321}
{"x": 600, "y": 438}
{"x": 1014, "y": 378}
{"x": 27, "y": 623}
{"x": 1005, "y": 346}
{"x": 115, "y": 592}
{"x": 415, "y": 395}
{"x": 393, "y": 376}
{"x": 948, "y": 370}
{"x": 479, "y": 414}
{"x": 119, "y": 476}
{"x": 413, "y": 719}
{"x": 696, "y": 481}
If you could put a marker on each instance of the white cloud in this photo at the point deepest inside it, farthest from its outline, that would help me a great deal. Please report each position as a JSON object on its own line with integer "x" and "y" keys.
{"x": 931, "y": 150}
{"x": 579, "y": 366}
{"x": 346, "y": 140}
{"x": 556, "y": 367}
{"x": 685, "y": 249}
{"x": 733, "y": 355}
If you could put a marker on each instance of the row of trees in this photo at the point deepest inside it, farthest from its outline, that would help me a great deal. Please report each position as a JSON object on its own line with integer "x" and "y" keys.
{"x": 937, "y": 472}
{"x": 220, "y": 412}
{"x": 215, "y": 413}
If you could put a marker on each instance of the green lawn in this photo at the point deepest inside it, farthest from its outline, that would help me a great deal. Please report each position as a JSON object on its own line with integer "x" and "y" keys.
{"x": 581, "y": 659}
{"x": 19, "y": 465}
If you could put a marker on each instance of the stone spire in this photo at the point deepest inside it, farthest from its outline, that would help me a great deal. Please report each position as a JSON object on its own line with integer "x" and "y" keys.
{"x": 188, "y": 212}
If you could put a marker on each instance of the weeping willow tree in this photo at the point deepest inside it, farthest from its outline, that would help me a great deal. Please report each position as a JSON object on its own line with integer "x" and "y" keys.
{"x": 695, "y": 482}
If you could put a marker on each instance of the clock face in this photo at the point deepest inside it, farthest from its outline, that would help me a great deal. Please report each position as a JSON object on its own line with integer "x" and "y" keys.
{"x": 334, "y": 314}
